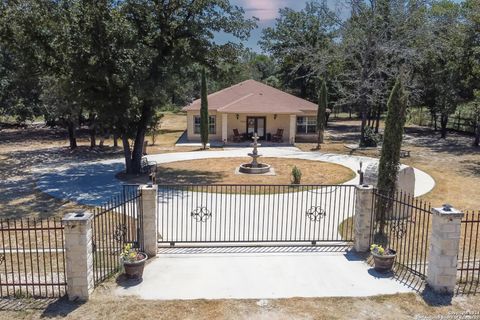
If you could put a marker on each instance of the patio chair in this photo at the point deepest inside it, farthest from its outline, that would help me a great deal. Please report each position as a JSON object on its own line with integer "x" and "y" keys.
{"x": 278, "y": 137}
{"x": 237, "y": 137}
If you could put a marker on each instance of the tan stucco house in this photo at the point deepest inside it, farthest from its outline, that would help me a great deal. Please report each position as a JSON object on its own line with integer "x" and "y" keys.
{"x": 254, "y": 107}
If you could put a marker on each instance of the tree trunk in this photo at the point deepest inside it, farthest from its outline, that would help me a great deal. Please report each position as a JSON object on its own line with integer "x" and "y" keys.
{"x": 443, "y": 125}
{"x": 93, "y": 131}
{"x": 362, "y": 129}
{"x": 303, "y": 88}
{"x": 377, "y": 120}
{"x": 133, "y": 159}
{"x": 72, "y": 137}
{"x": 476, "y": 142}
{"x": 137, "y": 153}
{"x": 115, "y": 140}
{"x": 128, "y": 154}
{"x": 93, "y": 138}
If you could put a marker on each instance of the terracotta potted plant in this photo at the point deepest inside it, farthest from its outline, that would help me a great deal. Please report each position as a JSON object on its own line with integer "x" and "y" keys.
{"x": 133, "y": 262}
{"x": 383, "y": 258}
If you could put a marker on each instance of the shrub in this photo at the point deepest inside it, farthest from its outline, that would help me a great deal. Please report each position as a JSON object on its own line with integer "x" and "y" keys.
{"x": 371, "y": 138}
{"x": 296, "y": 175}
{"x": 204, "y": 111}
{"x": 321, "y": 112}
{"x": 390, "y": 155}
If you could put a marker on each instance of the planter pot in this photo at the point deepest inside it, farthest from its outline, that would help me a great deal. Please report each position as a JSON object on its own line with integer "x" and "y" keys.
{"x": 384, "y": 263}
{"x": 134, "y": 270}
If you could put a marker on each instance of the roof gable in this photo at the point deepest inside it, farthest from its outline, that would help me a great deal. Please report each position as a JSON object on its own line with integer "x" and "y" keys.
{"x": 251, "y": 96}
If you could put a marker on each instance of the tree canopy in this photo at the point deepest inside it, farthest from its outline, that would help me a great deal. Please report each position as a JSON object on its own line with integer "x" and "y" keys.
{"x": 112, "y": 65}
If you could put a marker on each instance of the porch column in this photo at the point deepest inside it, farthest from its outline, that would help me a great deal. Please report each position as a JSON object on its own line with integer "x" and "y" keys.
{"x": 224, "y": 127}
{"x": 293, "y": 126}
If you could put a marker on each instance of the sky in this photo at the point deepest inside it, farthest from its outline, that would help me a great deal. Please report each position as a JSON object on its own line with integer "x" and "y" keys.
{"x": 266, "y": 11}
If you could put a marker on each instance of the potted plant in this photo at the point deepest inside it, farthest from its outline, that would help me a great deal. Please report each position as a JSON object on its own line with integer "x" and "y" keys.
{"x": 383, "y": 258}
{"x": 133, "y": 262}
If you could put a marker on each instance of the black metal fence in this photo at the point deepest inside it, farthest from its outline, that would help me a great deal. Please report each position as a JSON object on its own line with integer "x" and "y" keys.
{"x": 407, "y": 230}
{"x": 115, "y": 224}
{"x": 32, "y": 261}
{"x": 468, "y": 266}
{"x": 256, "y": 213}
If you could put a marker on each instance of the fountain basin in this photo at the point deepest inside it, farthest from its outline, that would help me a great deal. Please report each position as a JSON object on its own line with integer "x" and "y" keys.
{"x": 258, "y": 169}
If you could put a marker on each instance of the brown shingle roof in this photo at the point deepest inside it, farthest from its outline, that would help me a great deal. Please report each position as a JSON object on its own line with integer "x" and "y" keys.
{"x": 251, "y": 96}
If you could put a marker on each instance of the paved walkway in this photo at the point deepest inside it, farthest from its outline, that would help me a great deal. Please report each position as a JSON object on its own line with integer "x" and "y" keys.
{"x": 94, "y": 183}
{"x": 258, "y": 273}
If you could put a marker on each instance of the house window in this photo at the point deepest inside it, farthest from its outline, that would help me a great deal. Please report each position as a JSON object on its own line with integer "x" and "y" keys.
{"x": 212, "y": 124}
{"x": 306, "y": 125}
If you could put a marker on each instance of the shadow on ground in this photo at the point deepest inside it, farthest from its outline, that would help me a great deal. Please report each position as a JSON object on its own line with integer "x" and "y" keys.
{"x": 180, "y": 176}
{"x": 435, "y": 299}
{"x": 252, "y": 249}
{"x": 51, "y": 308}
{"x": 402, "y": 275}
{"x": 60, "y": 308}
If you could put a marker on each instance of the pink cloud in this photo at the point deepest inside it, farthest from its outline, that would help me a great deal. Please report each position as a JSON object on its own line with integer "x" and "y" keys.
{"x": 264, "y": 9}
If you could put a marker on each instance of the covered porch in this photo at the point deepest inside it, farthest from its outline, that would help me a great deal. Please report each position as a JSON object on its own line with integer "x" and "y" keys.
{"x": 238, "y": 128}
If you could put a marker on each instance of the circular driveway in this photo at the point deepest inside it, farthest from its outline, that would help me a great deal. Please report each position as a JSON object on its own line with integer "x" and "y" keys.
{"x": 94, "y": 183}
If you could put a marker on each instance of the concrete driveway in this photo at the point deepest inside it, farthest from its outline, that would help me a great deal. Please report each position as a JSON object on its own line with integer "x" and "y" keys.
{"x": 93, "y": 183}
{"x": 258, "y": 273}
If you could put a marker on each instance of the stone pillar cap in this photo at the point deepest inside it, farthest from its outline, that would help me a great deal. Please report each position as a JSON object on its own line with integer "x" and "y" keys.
{"x": 365, "y": 186}
{"x": 148, "y": 187}
{"x": 448, "y": 211}
{"x": 77, "y": 217}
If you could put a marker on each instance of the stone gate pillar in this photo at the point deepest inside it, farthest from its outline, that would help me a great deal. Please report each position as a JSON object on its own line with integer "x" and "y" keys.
{"x": 149, "y": 222}
{"x": 444, "y": 248}
{"x": 78, "y": 255}
{"x": 363, "y": 217}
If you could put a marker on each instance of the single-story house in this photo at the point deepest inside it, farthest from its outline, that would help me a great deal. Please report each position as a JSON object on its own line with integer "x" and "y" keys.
{"x": 254, "y": 107}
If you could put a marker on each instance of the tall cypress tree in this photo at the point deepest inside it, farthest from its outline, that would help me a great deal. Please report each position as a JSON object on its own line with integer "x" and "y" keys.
{"x": 390, "y": 154}
{"x": 204, "y": 111}
{"x": 322, "y": 112}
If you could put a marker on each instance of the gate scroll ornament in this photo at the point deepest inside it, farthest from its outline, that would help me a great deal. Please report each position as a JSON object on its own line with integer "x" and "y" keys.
{"x": 201, "y": 214}
{"x": 120, "y": 232}
{"x": 316, "y": 213}
{"x": 400, "y": 226}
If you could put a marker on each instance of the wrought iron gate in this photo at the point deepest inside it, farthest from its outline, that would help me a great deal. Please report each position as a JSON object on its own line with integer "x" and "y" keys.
{"x": 115, "y": 224}
{"x": 255, "y": 213}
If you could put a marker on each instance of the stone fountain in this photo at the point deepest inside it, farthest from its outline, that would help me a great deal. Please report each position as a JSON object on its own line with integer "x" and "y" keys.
{"x": 254, "y": 167}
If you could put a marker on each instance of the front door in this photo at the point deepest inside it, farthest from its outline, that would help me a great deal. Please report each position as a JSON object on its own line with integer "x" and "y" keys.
{"x": 258, "y": 125}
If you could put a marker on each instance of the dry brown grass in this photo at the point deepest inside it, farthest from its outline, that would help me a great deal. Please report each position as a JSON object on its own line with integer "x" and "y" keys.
{"x": 401, "y": 306}
{"x": 457, "y": 177}
{"x": 24, "y": 150}
{"x": 171, "y": 128}
{"x": 453, "y": 163}
{"x": 222, "y": 171}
